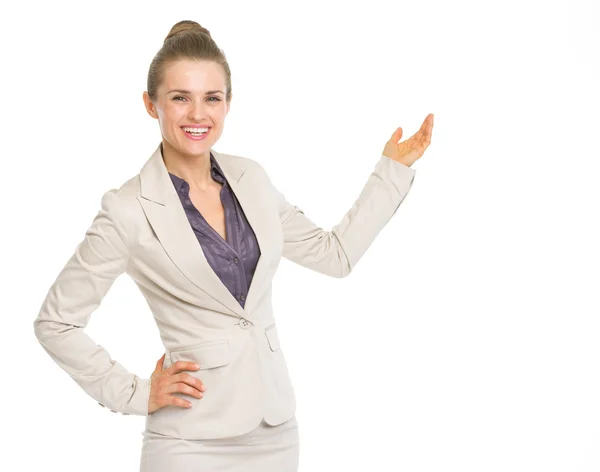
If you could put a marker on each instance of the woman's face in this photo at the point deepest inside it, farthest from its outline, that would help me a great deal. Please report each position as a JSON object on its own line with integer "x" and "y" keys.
{"x": 192, "y": 93}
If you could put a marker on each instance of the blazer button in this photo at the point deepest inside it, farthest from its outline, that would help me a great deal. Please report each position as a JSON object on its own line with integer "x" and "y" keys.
{"x": 245, "y": 324}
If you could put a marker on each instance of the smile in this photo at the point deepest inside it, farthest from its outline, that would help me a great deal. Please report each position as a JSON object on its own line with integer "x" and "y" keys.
{"x": 197, "y": 134}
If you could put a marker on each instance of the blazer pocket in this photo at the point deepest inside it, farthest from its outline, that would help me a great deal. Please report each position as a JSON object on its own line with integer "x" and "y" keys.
{"x": 272, "y": 337}
{"x": 207, "y": 355}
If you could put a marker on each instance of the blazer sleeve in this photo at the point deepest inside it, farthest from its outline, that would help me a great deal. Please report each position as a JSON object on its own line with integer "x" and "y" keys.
{"x": 336, "y": 252}
{"x": 77, "y": 291}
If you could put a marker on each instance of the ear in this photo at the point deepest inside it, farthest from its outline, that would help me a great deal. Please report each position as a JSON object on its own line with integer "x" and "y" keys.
{"x": 150, "y": 108}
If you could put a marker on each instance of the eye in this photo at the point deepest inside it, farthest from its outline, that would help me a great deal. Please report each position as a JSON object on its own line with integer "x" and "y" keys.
{"x": 176, "y": 98}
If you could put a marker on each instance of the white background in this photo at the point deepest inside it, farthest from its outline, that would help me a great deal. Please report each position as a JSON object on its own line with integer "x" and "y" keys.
{"x": 466, "y": 339}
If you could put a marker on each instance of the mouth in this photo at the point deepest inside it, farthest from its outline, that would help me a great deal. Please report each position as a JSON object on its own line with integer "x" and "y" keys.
{"x": 196, "y": 133}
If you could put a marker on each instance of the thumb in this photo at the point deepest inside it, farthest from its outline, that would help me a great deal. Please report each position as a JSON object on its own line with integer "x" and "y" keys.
{"x": 159, "y": 363}
{"x": 396, "y": 136}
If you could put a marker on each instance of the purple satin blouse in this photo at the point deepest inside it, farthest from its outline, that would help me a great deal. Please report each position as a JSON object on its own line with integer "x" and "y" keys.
{"x": 233, "y": 260}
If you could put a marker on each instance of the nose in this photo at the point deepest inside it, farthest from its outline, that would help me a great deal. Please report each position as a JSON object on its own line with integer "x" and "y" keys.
{"x": 197, "y": 110}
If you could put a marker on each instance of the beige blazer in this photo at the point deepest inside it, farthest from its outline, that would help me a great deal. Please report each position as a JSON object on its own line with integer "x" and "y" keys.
{"x": 142, "y": 229}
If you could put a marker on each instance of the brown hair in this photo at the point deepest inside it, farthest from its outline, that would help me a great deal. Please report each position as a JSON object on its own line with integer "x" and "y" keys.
{"x": 186, "y": 40}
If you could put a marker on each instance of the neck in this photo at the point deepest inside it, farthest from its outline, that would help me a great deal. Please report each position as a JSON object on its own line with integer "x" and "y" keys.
{"x": 194, "y": 169}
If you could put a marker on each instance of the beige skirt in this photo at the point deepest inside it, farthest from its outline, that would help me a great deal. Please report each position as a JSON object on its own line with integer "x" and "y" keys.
{"x": 265, "y": 449}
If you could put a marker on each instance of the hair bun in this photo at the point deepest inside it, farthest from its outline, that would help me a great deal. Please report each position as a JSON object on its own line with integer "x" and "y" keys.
{"x": 186, "y": 25}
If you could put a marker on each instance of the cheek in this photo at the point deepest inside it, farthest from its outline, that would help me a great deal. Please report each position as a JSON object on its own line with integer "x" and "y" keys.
{"x": 217, "y": 130}
{"x": 171, "y": 117}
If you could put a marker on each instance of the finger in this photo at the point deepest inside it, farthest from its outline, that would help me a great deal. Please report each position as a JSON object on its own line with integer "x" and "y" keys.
{"x": 182, "y": 365}
{"x": 423, "y": 129}
{"x": 190, "y": 380}
{"x": 396, "y": 135}
{"x": 421, "y": 137}
{"x": 181, "y": 387}
{"x": 426, "y": 138}
{"x": 176, "y": 401}
{"x": 158, "y": 367}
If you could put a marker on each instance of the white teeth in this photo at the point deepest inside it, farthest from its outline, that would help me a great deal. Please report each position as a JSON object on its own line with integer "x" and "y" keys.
{"x": 195, "y": 130}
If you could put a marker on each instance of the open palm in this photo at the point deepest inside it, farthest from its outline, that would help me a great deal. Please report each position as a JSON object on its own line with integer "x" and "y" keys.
{"x": 408, "y": 151}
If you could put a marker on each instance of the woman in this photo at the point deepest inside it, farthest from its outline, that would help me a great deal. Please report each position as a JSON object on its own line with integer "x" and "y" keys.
{"x": 202, "y": 233}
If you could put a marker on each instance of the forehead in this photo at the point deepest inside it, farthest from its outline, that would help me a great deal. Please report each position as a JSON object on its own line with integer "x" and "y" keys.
{"x": 193, "y": 75}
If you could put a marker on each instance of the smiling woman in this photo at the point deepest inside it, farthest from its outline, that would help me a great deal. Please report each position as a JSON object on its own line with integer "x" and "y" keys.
{"x": 189, "y": 93}
{"x": 202, "y": 234}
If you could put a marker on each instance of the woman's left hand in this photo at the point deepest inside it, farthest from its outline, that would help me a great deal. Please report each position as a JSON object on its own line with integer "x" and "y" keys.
{"x": 407, "y": 152}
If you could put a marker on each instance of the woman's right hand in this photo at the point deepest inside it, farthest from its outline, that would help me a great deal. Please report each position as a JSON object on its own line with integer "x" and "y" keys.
{"x": 163, "y": 383}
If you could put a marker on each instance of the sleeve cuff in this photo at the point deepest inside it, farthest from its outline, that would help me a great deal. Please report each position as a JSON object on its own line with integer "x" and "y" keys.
{"x": 139, "y": 401}
{"x": 391, "y": 170}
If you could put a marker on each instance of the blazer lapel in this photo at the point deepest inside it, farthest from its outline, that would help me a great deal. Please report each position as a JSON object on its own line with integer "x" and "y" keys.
{"x": 167, "y": 217}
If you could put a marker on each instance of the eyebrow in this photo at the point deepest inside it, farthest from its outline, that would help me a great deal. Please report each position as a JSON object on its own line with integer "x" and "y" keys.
{"x": 187, "y": 91}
